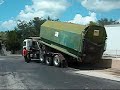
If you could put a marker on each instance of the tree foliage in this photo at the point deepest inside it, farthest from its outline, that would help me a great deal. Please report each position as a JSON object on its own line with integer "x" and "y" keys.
{"x": 92, "y": 23}
{"x": 105, "y": 21}
{"x": 13, "y": 42}
{"x": 24, "y": 30}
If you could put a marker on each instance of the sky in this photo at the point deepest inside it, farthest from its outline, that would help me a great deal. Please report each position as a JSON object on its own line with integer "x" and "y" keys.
{"x": 75, "y": 11}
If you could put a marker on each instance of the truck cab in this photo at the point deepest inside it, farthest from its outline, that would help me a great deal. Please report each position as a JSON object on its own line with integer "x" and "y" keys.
{"x": 27, "y": 43}
{"x": 32, "y": 45}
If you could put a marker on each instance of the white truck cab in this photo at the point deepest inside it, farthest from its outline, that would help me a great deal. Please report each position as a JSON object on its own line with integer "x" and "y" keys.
{"x": 32, "y": 45}
{"x": 27, "y": 43}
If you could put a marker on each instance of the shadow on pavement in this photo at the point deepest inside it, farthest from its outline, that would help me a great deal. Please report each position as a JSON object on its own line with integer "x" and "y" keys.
{"x": 103, "y": 64}
{"x": 35, "y": 61}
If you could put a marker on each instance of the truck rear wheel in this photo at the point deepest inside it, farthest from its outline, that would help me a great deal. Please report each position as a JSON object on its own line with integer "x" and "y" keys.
{"x": 49, "y": 60}
{"x": 56, "y": 61}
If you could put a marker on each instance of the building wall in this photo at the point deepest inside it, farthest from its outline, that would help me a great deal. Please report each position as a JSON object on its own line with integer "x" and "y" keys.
{"x": 113, "y": 39}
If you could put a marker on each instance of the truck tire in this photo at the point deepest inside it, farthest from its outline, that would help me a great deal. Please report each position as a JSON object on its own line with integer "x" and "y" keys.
{"x": 49, "y": 60}
{"x": 42, "y": 59}
{"x": 57, "y": 61}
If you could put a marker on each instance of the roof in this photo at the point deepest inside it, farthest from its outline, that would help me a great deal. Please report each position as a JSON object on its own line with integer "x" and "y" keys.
{"x": 114, "y": 25}
{"x": 75, "y": 28}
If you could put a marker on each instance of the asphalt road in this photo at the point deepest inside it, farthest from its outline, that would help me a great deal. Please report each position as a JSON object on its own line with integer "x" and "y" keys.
{"x": 16, "y": 74}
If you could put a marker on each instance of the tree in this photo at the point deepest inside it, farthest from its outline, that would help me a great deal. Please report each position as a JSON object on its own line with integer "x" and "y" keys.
{"x": 92, "y": 23}
{"x": 3, "y": 37}
{"x": 22, "y": 31}
{"x": 105, "y": 21}
{"x": 13, "y": 43}
{"x": 37, "y": 22}
{"x": 50, "y": 19}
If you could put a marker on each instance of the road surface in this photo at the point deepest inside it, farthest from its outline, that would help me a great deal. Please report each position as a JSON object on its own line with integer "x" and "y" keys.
{"x": 16, "y": 74}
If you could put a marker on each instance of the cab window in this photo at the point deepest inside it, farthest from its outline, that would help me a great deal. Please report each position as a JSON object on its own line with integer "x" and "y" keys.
{"x": 24, "y": 43}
